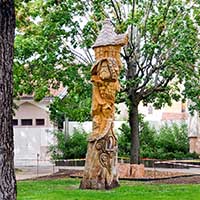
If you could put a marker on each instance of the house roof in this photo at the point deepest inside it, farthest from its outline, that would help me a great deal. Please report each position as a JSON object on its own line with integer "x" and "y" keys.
{"x": 61, "y": 92}
{"x": 108, "y": 37}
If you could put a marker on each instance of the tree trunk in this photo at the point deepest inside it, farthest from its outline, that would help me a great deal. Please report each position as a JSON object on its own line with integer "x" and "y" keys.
{"x": 134, "y": 125}
{"x": 101, "y": 164}
{"x": 7, "y": 30}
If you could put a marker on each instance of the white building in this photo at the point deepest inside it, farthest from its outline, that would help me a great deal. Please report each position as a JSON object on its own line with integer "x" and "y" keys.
{"x": 32, "y": 130}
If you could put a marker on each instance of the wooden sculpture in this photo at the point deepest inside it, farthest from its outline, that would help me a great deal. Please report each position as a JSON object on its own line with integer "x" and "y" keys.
{"x": 101, "y": 160}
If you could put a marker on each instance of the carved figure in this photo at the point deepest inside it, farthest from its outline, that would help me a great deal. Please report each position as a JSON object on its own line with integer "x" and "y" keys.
{"x": 105, "y": 85}
{"x": 101, "y": 160}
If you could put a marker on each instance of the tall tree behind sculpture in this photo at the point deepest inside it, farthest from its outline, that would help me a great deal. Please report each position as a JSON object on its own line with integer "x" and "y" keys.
{"x": 7, "y": 30}
{"x": 101, "y": 159}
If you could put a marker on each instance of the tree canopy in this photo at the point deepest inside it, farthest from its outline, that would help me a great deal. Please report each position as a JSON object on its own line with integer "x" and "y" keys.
{"x": 54, "y": 36}
{"x": 54, "y": 40}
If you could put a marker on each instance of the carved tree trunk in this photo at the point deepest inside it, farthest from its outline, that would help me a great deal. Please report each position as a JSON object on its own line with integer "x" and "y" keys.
{"x": 101, "y": 164}
{"x": 101, "y": 160}
{"x": 7, "y": 29}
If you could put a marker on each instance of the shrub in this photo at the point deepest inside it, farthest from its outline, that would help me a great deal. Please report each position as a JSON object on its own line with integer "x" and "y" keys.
{"x": 71, "y": 147}
{"x": 170, "y": 142}
{"x": 147, "y": 139}
{"x": 173, "y": 143}
{"x": 124, "y": 138}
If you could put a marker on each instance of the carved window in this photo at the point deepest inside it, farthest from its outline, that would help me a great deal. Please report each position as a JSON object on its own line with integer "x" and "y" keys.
{"x": 183, "y": 107}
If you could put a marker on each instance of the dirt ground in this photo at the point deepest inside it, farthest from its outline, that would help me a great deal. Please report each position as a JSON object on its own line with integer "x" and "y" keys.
{"x": 179, "y": 180}
{"x": 161, "y": 177}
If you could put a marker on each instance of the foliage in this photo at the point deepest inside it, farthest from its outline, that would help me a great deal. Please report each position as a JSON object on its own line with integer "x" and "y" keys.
{"x": 75, "y": 105}
{"x": 169, "y": 142}
{"x": 124, "y": 138}
{"x": 44, "y": 60}
{"x": 147, "y": 139}
{"x": 161, "y": 58}
{"x": 172, "y": 141}
{"x": 163, "y": 45}
{"x": 69, "y": 147}
{"x": 67, "y": 189}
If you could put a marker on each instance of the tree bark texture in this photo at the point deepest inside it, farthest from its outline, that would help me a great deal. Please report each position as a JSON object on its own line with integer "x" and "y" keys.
{"x": 134, "y": 125}
{"x": 7, "y": 30}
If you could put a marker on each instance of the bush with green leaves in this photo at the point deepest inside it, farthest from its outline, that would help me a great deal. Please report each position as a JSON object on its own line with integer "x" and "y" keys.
{"x": 172, "y": 142}
{"x": 169, "y": 142}
{"x": 69, "y": 147}
{"x": 147, "y": 139}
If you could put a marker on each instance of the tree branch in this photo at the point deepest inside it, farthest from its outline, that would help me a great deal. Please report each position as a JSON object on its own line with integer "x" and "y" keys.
{"x": 132, "y": 16}
{"x": 159, "y": 87}
{"x": 116, "y": 12}
{"x": 78, "y": 55}
{"x": 146, "y": 18}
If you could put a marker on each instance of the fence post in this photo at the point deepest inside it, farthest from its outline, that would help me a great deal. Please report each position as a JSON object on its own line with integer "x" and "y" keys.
{"x": 38, "y": 155}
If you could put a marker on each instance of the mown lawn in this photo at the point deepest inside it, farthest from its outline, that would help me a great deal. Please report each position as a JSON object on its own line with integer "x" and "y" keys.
{"x": 67, "y": 189}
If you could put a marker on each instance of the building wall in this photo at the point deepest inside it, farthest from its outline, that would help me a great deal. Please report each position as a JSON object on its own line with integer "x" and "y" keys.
{"x": 87, "y": 126}
{"x": 32, "y": 141}
{"x": 194, "y": 144}
{"x": 28, "y": 110}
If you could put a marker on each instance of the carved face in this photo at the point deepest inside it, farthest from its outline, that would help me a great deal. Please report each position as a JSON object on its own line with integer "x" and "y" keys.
{"x": 104, "y": 72}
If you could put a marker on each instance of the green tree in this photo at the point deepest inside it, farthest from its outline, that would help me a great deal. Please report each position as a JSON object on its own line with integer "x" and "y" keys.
{"x": 7, "y": 32}
{"x": 77, "y": 102}
{"x": 45, "y": 57}
{"x": 162, "y": 53}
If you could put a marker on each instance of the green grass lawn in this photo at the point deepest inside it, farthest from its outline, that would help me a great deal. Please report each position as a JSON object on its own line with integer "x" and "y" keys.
{"x": 67, "y": 189}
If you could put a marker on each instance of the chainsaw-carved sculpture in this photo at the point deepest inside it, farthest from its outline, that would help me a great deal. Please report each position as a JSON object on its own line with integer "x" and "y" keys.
{"x": 101, "y": 160}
